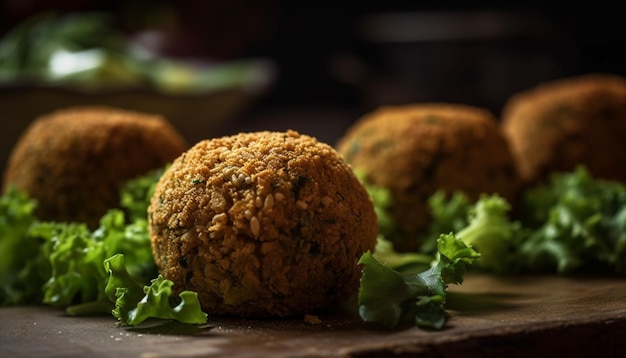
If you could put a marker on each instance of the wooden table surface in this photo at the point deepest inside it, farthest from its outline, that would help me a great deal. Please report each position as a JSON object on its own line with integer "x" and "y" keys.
{"x": 538, "y": 316}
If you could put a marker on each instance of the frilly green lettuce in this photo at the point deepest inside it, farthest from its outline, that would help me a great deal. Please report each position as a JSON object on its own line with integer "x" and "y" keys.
{"x": 134, "y": 302}
{"x": 392, "y": 298}
{"x": 578, "y": 224}
{"x": 65, "y": 265}
{"x": 22, "y": 269}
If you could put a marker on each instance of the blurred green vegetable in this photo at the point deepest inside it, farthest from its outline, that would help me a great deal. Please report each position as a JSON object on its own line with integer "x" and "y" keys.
{"x": 85, "y": 50}
{"x": 81, "y": 49}
{"x": 449, "y": 213}
{"x": 136, "y": 194}
{"x": 381, "y": 199}
{"x": 492, "y": 233}
{"x": 578, "y": 224}
{"x": 574, "y": 223}
{"x": 22, "y": 269}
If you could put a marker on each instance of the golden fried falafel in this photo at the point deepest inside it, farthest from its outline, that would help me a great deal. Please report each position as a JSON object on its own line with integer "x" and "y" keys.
{"x": 262, "y": 224}
{"x": 561, "y": 124}
{"x": 74, "y": 161}
{"x": 414, "y": 150}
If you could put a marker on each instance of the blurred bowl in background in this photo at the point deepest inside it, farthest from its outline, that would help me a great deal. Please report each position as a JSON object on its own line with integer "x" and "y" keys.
{"x": 196, "y": 115}
{"x": 56, "y": 60}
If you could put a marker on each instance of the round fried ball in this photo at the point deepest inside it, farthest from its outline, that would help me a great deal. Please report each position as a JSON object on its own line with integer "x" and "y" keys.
{"x": 262, "y": 224}
{"x": 417, "y": 149}
{"x": 564, "y": 123}
{"x": 74, "y": 161}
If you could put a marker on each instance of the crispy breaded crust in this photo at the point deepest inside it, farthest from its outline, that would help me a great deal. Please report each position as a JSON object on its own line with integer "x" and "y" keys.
{"x": 415, "y": 150}
{"x": 262, "y": 224}
{"x": 74, "y": 161}
{"x": 560, "y": 124}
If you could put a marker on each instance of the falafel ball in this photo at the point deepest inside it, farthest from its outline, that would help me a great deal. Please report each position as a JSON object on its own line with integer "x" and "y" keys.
{"x": 415, "y": 150}
{"x": 262, "y": 224}
{"x": 74, "y": 161}
{"x": 558, "y": 125}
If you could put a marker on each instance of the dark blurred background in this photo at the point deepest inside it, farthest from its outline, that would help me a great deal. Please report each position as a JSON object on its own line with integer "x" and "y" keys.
{"x": 335, "y": 63}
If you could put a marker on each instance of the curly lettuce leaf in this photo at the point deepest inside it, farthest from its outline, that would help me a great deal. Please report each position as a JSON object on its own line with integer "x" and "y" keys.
{"x": 23, "y": 268}
{"x": 61, "y": 264}
{"x": 449, "y": 213}
{"x": 382, "y": 201}
{"x": 392, "y": 299}
{"x": 129, "y": 238}
{"x": 136, "y": 194}
{"x": 78, "y": 279}
{"x": 408, "y": 262}
{"x": 135, "y": 303}
{"x": 75, "y": 259}
{"x": 492, "y": 233}
{"x": 578, "y": 222}
{"x": 47, "y": 261}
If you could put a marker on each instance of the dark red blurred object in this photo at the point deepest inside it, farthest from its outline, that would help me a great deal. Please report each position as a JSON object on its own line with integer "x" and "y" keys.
{"x": 218, "y": 29}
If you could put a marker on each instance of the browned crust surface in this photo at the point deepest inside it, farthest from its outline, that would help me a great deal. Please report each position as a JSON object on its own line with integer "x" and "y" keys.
{"x": 417, "y": 149}
{"x": 262, "y": 224}
{"x": 558, "y": 125}
{"x": 74, "y": 161}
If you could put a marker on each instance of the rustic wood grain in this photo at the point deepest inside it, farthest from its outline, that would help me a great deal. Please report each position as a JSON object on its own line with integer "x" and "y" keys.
{"x": 521, "y": 316}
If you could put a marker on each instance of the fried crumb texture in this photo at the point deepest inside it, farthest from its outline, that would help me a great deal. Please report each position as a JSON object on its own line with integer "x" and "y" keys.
{"x": 312, "y": 319}
{"x": 416, "y": 149}
{"x": 262, "y": 224}
{"x": 557, "y": 125}
{"x": 75, "y": 160}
